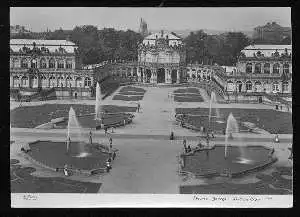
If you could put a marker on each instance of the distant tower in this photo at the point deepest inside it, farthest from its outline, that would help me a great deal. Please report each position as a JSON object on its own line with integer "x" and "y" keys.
{"x": 143, "y": 28}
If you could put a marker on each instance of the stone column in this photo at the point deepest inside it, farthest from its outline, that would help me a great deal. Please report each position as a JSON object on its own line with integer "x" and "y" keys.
{"x": 167, "y": 75}
{"x": 243, "y": 86}
{"x": 139, "y": 73}
{"x": 290, "y": 67}
{"x": 253, "y": 68}
{"x": 155, "y": 75}
{"x": 271, "y": 68}
{"x": 65, "y": 76}
{"x": 48, "y": 77}
{"x": 262, "y": 68}
{"x": 47, "y": 63}
{"x": 280, "y": 86}
{"x": 280, "y": 69}
{"x": 178, "y": 76}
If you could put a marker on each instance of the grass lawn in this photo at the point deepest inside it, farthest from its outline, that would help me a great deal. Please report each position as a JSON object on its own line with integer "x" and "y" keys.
{"x": 32, "y": 116}
{"x": 127, "y": 98}
{"x": 22, "y": 181}
{"x": 133, "y": 89}
{"x": 267, "y": 119}
{"x": 130, "y": 93}
{"x": 187, "y": 95}
{"x": 284, "y": 186}
{"x": 187, "y": 90}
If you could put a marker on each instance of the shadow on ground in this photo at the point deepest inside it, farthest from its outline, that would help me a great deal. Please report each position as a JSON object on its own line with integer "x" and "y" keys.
{"x": 23, "y": 182}
{"x": 274, "y": 184}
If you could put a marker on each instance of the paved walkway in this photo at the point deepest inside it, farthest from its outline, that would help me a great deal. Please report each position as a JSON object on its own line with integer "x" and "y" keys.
{"x": 147, "y": 160}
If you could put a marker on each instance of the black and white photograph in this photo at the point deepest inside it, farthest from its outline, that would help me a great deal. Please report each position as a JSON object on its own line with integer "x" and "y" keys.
{"x": 151, "y": 107}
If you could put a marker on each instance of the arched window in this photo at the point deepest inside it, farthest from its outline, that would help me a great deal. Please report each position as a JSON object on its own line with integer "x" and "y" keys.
{"x": 69, "y": 80}
{"x": 24, "y": 63}
{"x": 267, "y": 68}
{"x": 276, "y": 68}
{"x": 239, "y": 85}
{"x": 61, "y": 82}
{"x": 34, "y": 63}
{"x": 230, "y": 86}
{"x": 258, "y": 86}
{"x": 51, "y": 63}
{"x": 286, "y": 68}
{"x": 275, "y": 87}
{"x": 285, "y": 86}
{"x": 60, "y": 64}
{"x": 35, "y": 81}
{"x": 248, "y": 86}
{"x": 24, "y": 81}
{"x": 43, "y": 64}
{"x": 249, "y": 68}
{"x": 52, "y": 81}
{"x": 44, "y": 81}
{"x": 87, "y": 82}
{"x": 78, "y": 82}
{"x": 16, "y": 81}
{"x": 15, "y": 63}
{"x": 257, "y": 68}
{"x": 69, "y": 64}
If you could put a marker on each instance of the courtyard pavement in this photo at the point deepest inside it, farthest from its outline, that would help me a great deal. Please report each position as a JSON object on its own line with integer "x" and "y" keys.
{"x": 147, "y": 159}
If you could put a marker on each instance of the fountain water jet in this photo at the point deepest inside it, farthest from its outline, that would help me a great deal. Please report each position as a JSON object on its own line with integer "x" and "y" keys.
{"x": 231, "y": 127}
{"x": 75, "y": 133}
{"x": 98, "y": 107}
{"x": 211, "y": 106}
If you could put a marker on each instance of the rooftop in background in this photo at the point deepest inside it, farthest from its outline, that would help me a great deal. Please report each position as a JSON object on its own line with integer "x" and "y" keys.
{"x": 263, "y": 50}
{"x": 52, "y": 45}
{"x": 268, "y": 47}
{"x": 171, "y": 37}
{"x": 41, "y": 42}
{"x": 273, "y": 26}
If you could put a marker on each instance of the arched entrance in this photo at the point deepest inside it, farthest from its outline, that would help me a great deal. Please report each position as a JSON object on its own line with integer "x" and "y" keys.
{"x": 75, "y": 95}
{"x": 239, "y": 86}
{"x": 161, "y": 75}
{"x": 174, "y": 76}
{"x": 148, "y": 75}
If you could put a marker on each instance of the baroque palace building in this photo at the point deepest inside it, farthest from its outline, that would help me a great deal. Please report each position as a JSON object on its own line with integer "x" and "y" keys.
{"x": 161, "y": 59}
{"x": 47, "y": 64}
{"x": 262, "y": 68}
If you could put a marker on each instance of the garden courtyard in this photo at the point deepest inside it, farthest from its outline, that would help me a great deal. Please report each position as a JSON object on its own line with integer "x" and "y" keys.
{"x": 147, "y": 161}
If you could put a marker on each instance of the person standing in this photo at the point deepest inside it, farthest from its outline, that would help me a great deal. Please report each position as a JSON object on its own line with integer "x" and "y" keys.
{"x": 184, "y": 146}
{"x": 90, "y": 138}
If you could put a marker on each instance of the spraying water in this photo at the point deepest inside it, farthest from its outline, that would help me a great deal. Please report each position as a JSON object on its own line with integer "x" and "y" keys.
{"x": 231, "y": 127}
{"x": 75, "y": 134}
{"x": 98, "y": 114}
{"x": 213, "y": 101}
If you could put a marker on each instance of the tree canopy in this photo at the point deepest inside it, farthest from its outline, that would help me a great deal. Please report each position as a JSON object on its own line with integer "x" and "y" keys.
{"x": 109, "y": 44}
{"x": 221, "y": 49}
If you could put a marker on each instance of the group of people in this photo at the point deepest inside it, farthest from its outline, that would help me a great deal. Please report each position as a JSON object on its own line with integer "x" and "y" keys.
{"x": 188, "y": 148}
{"x": 112, "y": 156}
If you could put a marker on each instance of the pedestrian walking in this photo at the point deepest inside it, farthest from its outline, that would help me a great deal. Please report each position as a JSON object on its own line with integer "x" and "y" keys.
{"x": 90, "y": 137}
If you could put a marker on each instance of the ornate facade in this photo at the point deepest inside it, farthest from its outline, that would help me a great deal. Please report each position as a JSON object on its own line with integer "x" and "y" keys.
{"x": 46, "y": 64}
{"x": 161, "y": 59}
{"x": 262, "y": 68}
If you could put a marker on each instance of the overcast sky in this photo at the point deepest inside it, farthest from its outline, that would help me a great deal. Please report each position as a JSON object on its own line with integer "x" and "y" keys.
{"x": 37, "y": 19}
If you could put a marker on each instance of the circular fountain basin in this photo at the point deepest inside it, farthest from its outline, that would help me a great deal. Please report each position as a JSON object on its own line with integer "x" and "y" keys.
{"x": 212, "y": 163}
{"x": 55, "y": 156}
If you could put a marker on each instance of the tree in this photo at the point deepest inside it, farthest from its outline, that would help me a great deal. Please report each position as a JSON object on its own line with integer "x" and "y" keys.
{"x": 195, "y": 46}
